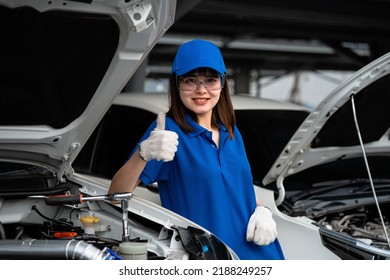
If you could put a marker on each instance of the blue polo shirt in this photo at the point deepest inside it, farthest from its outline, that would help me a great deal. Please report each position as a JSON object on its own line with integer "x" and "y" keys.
{"x": 211, "y": 186}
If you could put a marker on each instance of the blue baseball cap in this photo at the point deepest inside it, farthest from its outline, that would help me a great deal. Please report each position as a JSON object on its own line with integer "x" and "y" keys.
{"x": 198, "y": 54}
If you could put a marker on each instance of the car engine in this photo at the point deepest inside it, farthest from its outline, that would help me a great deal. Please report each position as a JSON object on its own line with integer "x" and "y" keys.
{"x": 362, "y": 223}
{"x": 42, "y": 218}
{"x": 42, "y": 231}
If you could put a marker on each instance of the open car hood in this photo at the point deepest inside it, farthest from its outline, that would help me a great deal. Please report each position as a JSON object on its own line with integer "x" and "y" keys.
{"x": 330, "y": 134}
{"x": 62, "y": 66}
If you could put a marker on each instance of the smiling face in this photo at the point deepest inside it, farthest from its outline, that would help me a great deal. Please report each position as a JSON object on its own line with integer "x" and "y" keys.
{"x": 200, "y": 91}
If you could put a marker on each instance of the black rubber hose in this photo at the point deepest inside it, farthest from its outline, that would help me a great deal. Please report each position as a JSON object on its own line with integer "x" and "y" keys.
{"x": 2, "y": 231}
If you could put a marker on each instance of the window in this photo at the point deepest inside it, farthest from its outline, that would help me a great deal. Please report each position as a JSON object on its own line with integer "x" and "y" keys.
{"x": 115, "y": 137}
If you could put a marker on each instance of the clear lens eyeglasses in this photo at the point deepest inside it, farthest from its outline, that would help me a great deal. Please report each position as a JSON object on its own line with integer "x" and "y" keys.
{"x": 192, "y": 83}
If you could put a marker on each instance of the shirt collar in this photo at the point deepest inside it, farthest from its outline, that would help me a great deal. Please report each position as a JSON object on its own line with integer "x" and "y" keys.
{"x": 200, "y": 129}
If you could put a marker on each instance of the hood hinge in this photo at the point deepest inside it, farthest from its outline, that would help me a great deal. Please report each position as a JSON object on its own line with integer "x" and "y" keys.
{"x": 139, "y": 16}
{"x": 281, "y": 190}
{"x": 67, "y": 159}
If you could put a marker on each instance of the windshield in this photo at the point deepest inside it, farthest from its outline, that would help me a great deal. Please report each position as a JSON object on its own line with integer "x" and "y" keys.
{"x": 265, "y": 134}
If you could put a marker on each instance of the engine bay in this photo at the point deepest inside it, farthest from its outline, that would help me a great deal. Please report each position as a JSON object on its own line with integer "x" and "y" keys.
{"x": 94, "y": 230}
{"x": 362, "y": 223}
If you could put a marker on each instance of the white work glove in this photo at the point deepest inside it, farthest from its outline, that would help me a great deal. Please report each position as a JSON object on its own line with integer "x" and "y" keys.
{"x": 161, "y": 144}
{"x": 261, "y": 227}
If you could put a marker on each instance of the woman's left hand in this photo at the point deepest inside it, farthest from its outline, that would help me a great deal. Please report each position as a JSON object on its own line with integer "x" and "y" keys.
{"x": 261, "y": 228}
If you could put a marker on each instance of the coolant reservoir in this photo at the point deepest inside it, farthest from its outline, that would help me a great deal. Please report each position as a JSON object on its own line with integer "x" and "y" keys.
{"x": 90, "y": 224}
{"x": 133, "y": 250}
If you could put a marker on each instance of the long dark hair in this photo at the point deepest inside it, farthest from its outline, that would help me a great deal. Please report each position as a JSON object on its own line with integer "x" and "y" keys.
{"x": 223, "y": 110}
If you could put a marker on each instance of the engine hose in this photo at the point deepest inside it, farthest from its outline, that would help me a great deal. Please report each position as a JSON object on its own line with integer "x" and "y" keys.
{"x": 19, "y": 232}
{"x": 49, "y": 249}
{"x": 2, "y": 231}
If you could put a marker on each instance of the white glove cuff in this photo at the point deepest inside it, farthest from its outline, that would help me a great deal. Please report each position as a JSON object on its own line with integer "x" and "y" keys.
{"x": 144, "y": 152}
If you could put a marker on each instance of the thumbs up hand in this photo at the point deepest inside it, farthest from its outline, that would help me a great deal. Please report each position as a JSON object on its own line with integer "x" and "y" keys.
{"x": 161, "y": 144}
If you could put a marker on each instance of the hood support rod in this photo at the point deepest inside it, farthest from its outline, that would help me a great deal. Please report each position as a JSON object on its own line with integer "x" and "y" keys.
{"x": 368, "y": 168}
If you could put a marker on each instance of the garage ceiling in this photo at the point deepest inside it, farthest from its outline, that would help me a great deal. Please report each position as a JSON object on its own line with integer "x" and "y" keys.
{"x": 281, "y": 35}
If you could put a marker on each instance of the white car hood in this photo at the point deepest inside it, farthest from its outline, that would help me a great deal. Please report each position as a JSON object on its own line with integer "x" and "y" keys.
{"x": 329, "y": 132}
{"x": 61, "y": 88}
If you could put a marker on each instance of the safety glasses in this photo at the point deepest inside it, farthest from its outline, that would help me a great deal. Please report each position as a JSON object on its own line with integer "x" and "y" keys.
{"x": 192, "y": 83}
